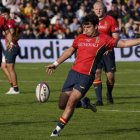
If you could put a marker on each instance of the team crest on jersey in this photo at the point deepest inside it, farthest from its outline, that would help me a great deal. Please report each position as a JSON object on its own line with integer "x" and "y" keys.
{"x": 97, "y": 40}
{"x": 105, "y": 23}
{"x": 81, "y": 39}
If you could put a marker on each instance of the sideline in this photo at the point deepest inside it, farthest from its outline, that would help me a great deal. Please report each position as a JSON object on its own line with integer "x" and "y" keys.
{"x": 128, "y": 111}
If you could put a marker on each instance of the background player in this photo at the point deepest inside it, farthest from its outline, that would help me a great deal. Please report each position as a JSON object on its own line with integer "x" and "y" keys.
{"x": 10, "y": 54}
{"x": 4, "y": 28}
{"x": 89, "y": 47}
{"x": 107, "y": 25}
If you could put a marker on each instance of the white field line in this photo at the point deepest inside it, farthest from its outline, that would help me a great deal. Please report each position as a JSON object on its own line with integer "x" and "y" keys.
{"x": 24, "y": 81}
{"x": 128, "y": 111}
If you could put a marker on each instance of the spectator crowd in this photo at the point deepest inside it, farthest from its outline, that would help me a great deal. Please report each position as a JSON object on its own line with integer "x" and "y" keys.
{"x": 60, "y": 19}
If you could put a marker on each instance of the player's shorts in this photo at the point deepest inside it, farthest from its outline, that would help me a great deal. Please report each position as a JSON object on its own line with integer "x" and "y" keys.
{"x": 78, "y": 81}
{"x": 107, "y": 62}
{"x": 10, "y": 55}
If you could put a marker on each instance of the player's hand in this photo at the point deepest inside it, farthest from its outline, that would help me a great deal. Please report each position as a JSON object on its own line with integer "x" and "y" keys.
{"x": 10, "y": 47}
{"x": 50, "y": 68}
{"x": 107, "y": 52}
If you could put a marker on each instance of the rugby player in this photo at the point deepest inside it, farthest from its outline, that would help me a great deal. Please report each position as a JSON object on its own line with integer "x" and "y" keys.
{"x": 90, "y": 48}
{"x": 8, "y": 62}
{"x": 107, "y": 25}
{"x": 4, "y": 27}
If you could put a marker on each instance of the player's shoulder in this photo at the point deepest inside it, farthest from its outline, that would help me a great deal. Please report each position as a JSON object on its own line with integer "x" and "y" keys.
{"x": 110, "y": 18}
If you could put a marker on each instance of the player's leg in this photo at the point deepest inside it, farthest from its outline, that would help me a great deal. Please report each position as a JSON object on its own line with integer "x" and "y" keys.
{"x": 66, "y": 91}
{"x": 110, "y": 84}
{"x": 98, "y": 84}
{"x": 78, "y": 84}
{"x": 10, "y": 64}
{"x": 110, "y": 74}
{"x": 4, "y": 69}
{"x": 75, "y": 96}
{"x": 63, "y": 99}
{"x": 13, "y": 75}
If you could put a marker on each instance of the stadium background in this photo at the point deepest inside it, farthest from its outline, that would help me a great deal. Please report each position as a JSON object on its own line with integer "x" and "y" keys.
{"x": 58, "y": 23}
{"x": 23, "y": 118}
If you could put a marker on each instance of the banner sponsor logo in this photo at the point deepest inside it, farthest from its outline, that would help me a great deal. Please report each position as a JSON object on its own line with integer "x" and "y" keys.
{"x": 49, "y": 50}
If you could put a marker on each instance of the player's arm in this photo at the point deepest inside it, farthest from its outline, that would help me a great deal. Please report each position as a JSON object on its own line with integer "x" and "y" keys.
{"x": 128, "y": 43}
{"x": 9, "y": 36}
{"x": 115, "y": 35}
{"x": 66, "y": 54}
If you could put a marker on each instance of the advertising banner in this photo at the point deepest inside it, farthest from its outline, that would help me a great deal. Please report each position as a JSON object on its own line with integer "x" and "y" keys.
{"x": 36, "y": 51}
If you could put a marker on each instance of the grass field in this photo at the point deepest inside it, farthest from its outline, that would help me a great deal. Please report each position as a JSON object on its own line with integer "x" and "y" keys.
{"x": 23, "y": 118}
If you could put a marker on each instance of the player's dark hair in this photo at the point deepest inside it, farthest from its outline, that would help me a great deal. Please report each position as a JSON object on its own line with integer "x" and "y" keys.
{"x": 4, "y": 10}
{"x": 90, "y": 19}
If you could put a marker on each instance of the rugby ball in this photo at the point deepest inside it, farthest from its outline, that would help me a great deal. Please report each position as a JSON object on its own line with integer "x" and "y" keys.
{"x": 42, "y": 92}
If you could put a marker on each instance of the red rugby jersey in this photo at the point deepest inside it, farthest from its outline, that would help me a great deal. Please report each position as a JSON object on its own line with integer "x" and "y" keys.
{"x": 12, "y": 24}
{"x": 3, "y": 25}
{"x": 108, "y": 25}
{"x": 90, "y": 51}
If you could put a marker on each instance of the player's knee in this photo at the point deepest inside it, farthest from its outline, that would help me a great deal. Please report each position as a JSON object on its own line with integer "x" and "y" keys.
{"x": 98, "y": 75}
{"x": 111, "y": 81}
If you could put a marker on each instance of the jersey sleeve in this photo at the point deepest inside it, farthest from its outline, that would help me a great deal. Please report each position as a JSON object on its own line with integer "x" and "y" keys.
{"x": 75, "y": 42}
{"x": 111, "y": 42}
{"x": 114, "y": 26}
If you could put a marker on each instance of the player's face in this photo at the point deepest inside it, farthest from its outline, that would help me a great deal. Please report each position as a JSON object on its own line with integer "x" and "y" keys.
{"x": 5, "y": 15}
{"x": 89, "y": 29}
{"x": 99, "y": 10}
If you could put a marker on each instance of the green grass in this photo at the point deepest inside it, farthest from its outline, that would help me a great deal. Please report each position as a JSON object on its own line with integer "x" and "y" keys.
{"x": 23, "y": 118}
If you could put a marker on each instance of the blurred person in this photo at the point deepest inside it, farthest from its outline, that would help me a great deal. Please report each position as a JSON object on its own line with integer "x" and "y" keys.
{"x": 81, "y": 75}
{"x": 10, "y": 54}
{"x": 60, "y": 34}
{"x": 28, "y": 10}
{"x": 74, "y": 25}
{"x": 129, "y": 24}
{"x": 80, "y": 13}
{"x": 69, "y": 34}
{"x": 78, "y": 31}
{"x": 123, "y": 34}
{"x": 14, "y": 8}
{"x": 131, "y": 32}
{"x": 4, "y": 28}
{"x": 47, "y": 34}
{"x": 107, "y": 25}
{"x": 69, "y": 12}
{"x": 28, "y": 34}
{"x": 15, "y": 17}
{"x": 88, "y": 5}
{"x": 114, "y": 12}
{"x": 41, "y": 4}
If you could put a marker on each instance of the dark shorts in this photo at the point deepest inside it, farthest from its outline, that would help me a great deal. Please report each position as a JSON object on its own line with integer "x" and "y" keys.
{"x": 107, "y": 62}
{"x": 78, "y": 81}
{"x": 10, "y": 56}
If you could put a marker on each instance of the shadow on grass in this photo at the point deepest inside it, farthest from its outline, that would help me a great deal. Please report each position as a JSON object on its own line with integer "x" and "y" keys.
{"x": 129, "y": 97}
{"x": 106, "y": 132}
{"x": 26, "y": 123}
{"x": 25, "y": 103}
